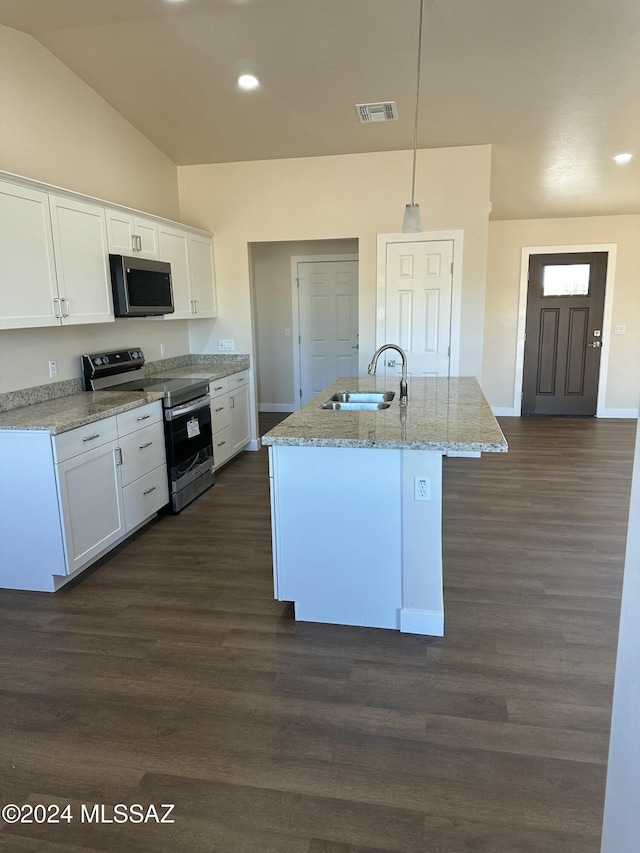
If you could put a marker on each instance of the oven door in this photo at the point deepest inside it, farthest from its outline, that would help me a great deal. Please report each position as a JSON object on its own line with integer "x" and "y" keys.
{"x": 189, "y": 442}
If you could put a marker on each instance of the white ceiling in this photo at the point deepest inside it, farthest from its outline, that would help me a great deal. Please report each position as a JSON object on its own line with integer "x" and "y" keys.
{"x": 553, "y": 85}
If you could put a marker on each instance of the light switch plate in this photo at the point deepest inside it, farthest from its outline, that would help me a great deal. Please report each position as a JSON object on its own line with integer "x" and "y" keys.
{"x": 620, "y": 330}
{"x": 226, "y": 345}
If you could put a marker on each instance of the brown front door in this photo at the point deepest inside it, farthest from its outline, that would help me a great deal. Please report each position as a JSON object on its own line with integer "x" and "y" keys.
{"x": 565, "y": 307}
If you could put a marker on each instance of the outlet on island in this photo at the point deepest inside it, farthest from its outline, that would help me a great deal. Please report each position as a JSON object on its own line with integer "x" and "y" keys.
{"x": 226, "y": 346}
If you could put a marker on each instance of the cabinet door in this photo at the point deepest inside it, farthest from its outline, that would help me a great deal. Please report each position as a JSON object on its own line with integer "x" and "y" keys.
{"x": 240, "y": 426}
{"x": 174, "y": 248}
{"x": 146, "y": 230}
{"x": 81, "y": 256}
{"x": 27, "y": 268}
{"x": 203, "y": 287}
{"x": 120, "y": 232}
{"x": 91, "y": 502}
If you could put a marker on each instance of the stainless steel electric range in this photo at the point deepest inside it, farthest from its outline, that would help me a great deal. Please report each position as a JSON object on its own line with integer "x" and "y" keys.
{"x": 187, "y": 416}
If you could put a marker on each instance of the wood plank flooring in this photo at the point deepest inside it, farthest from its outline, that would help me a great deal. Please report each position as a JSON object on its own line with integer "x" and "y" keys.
{"x": 169, "y": 675}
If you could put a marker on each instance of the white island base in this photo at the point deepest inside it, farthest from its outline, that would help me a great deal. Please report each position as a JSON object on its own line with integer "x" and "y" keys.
{"x": 351, "y": 543}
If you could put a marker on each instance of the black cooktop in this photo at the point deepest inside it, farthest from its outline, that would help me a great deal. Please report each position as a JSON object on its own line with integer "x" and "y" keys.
{"x": 176, "y": 391}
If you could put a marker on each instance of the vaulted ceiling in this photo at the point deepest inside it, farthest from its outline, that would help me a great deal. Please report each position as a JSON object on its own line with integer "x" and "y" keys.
{"x": 553, "y": 85}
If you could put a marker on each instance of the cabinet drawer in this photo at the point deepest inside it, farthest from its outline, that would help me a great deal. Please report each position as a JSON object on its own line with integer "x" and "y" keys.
{"x": 142, "y": 451}
{"x": 237, "y": 380}
{"x": 220, "y": 415}
{"x": 222, "y": 446}
{"x": 143, "y": 416}
{"x": 219, "y": 386}
{"x": 75, "y": 441}
{"x": 145, "y": 496}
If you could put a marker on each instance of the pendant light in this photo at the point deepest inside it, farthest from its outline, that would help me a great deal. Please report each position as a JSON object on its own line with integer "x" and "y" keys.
{"x": 412, "y": 220}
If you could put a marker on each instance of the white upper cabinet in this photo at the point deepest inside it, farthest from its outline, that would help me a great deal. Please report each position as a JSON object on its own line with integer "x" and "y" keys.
{"x": 132, "y": 235}
{"x": 54, "y": 257}
{"x": 27, "y": 268}
{"x": 192, "y": 277}
{"x": 203, "y": 283}
{"x": 174, "y": 248}
{"x": 81, "y": 257}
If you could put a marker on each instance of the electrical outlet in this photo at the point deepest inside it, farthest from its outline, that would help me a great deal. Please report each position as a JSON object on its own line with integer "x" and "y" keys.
{"x": 226, "y": 346}
{"x": 422, "y": 489}
{"x": 53, "y": 369}
{"x": 620, "y": 330}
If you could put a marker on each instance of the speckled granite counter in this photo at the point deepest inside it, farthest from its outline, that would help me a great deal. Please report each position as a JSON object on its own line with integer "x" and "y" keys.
{"x": 63, "y": 406}
{"x": 441, "y": 414}
{"x": 74, "y": 410}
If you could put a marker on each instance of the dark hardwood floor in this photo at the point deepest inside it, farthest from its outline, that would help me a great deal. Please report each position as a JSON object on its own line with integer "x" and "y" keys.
{"x": 169, "y": 675}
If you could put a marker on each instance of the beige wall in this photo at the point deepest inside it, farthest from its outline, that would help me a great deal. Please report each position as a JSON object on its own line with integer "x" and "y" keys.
{"x": 325, "y": 198}
{"x": 273, "y": 312}
{"x": 55, "y": 129}
{"x": 506, "y": 241}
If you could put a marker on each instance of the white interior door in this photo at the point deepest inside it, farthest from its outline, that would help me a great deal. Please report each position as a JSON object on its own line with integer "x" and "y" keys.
{"x": 328, "y": 323}
{"x": 419, "y": 287}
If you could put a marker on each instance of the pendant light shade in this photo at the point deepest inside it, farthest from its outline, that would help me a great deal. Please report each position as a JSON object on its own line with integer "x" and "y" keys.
{"x": 412, "y": 219}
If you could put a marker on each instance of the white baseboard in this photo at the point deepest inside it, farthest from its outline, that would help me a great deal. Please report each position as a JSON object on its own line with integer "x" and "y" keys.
{"x": 503, "y": 411}
{"x": 422, "y": 622}
{"x": 618, "y": 413}
{"x": 276, "y": 407}
{"x": 253, "y": 445}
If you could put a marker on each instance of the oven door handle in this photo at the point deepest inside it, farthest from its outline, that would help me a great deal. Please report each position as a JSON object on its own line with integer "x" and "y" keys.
{"x": 191, "y": 406}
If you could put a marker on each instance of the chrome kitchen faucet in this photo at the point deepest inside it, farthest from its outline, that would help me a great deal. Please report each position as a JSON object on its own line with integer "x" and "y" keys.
{"x": 403, "y": 382}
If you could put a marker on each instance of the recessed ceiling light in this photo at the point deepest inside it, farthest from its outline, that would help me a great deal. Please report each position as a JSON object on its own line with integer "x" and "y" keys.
{"x": 248, "y": 81}
{"x": 623, "y": 158}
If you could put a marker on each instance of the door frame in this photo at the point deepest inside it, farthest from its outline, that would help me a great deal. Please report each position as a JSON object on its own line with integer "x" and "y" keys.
{"x": 295, "y": 313}
{"x": 527, "y": 251}
{"x": 457, "y": 237}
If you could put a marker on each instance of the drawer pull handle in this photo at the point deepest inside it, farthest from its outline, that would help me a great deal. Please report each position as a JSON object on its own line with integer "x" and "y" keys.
{"x": 148, "y": 444}
{"x": 218, "y": 388}
{"x": 142, "y": 417}
{"x": 220, "y": 409}
{"x": 220, "y": 443}
{"x": 148, "y": 491}
{"x": 91, "y": 437}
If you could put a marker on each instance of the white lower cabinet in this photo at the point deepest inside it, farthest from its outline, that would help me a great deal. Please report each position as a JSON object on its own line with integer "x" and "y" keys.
{"x": 91, "y": 504}
{"x": 230, "y": 416}
{"x": 77, "y": 494}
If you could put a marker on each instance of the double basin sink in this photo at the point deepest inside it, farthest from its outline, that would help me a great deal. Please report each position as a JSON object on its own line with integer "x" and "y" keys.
{"x": 359, "y": 401}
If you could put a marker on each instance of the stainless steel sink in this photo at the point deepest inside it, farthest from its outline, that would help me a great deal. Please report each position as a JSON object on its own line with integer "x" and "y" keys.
{"x": 362, "y": 396}
{"x": 349, "y": 406}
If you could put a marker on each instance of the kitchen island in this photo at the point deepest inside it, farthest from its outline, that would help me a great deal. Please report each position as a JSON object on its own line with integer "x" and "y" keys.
{"x": 356, "y": 500}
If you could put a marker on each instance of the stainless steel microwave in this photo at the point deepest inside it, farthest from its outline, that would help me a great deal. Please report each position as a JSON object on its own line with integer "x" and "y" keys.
{"x": 141, "y": 288}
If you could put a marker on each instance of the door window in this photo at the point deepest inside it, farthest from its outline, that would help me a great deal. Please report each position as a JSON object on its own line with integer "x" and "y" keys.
{"x": 566, "y": 279}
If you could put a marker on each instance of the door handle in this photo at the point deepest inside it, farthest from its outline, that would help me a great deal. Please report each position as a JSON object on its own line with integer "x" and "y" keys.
{"x": 595, "y": 344}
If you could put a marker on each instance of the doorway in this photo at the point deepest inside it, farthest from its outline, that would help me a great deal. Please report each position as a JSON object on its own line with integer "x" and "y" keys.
{"x": 563, "y": 333}
{"x": 558, "y": 369}
{"x": 275, "y": 319}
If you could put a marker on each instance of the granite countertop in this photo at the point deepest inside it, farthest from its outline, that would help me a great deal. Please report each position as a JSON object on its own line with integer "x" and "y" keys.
{"x": 74, "y": 410}
{"x": 441, "y": 414}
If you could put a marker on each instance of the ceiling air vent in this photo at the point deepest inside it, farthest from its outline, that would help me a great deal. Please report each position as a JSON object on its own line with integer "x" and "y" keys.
{"x": 383, "y": 111}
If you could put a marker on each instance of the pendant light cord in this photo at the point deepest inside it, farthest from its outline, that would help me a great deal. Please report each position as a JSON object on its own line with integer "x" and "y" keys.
{"x": 415, "y": 128}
